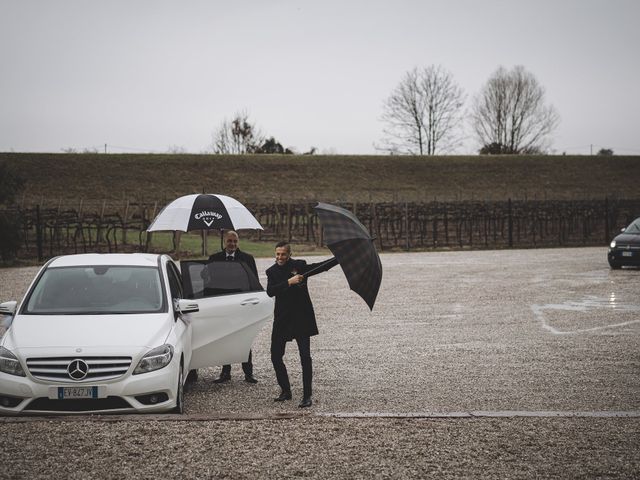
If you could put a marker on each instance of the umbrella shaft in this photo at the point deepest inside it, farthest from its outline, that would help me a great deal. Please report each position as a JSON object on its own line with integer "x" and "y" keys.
{"x": 319, "y": 267}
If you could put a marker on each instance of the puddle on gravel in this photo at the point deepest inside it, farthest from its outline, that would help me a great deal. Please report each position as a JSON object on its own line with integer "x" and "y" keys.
{"x": 587, "y": 315}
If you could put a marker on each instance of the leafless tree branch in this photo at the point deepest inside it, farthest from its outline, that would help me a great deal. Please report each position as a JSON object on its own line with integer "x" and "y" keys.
{"x": 237, "y": 136}
{"x": 423, "y": 114}
{"x": 509, "y": 113}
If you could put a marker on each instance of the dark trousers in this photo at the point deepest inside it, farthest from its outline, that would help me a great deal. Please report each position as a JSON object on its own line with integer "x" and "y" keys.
{"x": 247, "y": 368}
{"x": 278, "y": 346}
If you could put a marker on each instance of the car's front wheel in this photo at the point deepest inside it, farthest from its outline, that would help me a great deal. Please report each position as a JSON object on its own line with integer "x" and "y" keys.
{"x": 614, "y": 265}
{"x": 179, "y": 408}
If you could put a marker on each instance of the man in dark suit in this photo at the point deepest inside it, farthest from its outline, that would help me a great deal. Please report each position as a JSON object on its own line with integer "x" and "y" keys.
{"x": 232, "y": 253}
{"x": 294, "y": 317}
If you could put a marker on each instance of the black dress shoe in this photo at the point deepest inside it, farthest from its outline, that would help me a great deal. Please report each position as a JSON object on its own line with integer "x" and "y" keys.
{"x": 250, "y": 379}
{"x": 305, "y": 402}
{"x": 222, "y": 379}
{"x": 283, "y": 396}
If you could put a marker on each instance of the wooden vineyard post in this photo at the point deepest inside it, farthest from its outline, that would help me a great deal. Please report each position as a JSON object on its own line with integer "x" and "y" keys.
{"x": 124, "y": 223}
{"x": 510, "y": 223}
{"x": 406, "y": 226}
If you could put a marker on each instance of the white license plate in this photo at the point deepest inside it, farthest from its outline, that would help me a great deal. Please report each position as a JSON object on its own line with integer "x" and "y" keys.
{"x": 627, "y": 254}
{"x": 64, "y": 393}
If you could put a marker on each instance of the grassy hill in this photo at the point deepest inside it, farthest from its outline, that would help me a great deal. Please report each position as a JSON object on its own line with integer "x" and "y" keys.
{"x": 266, "y": 178}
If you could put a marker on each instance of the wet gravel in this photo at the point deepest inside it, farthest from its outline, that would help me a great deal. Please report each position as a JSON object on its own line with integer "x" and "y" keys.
{"x": 522, "y": 330}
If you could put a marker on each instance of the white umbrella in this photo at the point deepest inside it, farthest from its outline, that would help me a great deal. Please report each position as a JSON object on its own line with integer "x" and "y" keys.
{"x": 204, "y": 211}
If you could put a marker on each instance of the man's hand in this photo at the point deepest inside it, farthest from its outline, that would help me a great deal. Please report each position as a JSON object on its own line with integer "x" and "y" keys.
{"x": 296, "y": 279}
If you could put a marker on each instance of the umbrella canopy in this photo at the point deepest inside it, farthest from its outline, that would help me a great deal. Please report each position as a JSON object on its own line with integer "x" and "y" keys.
{"x": 353, "y": 247}
{"x": 204, "y": 212}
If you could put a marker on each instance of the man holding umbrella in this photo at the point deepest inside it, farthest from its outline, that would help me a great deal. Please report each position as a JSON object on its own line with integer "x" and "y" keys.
{"x": 294, "y": 317}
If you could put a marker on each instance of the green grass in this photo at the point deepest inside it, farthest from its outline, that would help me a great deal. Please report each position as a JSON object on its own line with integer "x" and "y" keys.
{"x": 191, "y": 246}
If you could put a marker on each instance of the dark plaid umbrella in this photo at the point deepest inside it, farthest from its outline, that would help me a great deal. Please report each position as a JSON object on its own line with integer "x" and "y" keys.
{"x": 353, "y": 247}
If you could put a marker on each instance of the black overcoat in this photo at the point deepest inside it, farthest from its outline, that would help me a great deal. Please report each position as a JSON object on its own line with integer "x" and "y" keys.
{"x": 240, "y": 256}
{"x": 293, "y": 312}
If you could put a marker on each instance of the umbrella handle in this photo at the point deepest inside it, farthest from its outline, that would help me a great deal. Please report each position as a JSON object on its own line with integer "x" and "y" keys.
{"x": 318, "y": 269}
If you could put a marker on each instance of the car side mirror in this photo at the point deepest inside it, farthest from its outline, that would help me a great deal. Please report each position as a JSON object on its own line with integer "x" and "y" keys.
{"x": 185, "y": 306}
{"x": 8, "y": 308}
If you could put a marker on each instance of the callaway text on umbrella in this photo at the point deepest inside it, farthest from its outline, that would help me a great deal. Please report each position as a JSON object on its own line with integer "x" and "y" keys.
{"x": 353, "y": 247}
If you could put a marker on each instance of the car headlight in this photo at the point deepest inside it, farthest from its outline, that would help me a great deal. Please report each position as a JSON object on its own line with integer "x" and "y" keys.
{"x": 156, "y": 359}
{"x": 10, "y": 364}
{"x": 613, "y": 244}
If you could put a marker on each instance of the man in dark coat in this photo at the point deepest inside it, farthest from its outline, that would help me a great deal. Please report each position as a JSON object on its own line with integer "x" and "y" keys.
{"x": 294, "y": 317}
{"x": 232, "y": 253}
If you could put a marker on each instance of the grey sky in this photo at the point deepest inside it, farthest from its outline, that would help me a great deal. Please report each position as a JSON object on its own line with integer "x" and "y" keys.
{"x": 144, "y": 75}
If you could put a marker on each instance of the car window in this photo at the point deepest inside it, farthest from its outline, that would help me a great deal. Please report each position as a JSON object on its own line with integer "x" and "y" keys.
{"x": 202, "y": 279}
{"x": 174, "y": 282}
{"x": 96, "y": 290}
{"x": 634, "y": 227}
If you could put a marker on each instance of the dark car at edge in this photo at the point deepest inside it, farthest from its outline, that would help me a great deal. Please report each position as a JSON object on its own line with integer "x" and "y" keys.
{"x": 624, "y": 249}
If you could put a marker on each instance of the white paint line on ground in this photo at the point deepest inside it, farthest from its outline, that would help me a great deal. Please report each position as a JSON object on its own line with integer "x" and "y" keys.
{"x": 489, "y": 414}
{"x": 506, "y": 414}
{"x": 587, "y": 304}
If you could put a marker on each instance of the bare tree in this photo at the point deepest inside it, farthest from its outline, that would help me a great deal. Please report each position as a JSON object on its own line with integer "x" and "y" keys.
{"x": 509, "y": 114}
{"x": 423, "y": 114}
{"x": 236, "y": 136}
{"x": 176, "y": 149}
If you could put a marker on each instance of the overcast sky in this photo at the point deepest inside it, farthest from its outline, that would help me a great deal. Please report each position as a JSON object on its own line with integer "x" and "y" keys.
{"x": 146, "y": 75}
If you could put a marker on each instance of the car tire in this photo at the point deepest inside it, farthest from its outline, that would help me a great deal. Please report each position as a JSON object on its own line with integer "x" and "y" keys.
{"x": 615, "y": 266}
{"x": 179, "y": 408}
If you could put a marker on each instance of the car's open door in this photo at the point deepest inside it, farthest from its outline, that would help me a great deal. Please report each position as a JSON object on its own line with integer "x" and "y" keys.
{"x": 233, "y": 309}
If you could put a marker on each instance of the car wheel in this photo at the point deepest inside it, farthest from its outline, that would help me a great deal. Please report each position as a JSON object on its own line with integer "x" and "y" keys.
{"x": 615, "y": 266}
{"x": 179, "y": 408}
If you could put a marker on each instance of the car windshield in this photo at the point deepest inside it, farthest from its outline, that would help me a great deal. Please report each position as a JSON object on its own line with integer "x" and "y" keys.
{"x": 96, "y": 290}
{"x": 634, "y": 227}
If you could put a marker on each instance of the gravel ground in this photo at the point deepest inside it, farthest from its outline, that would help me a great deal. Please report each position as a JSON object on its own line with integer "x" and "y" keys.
{"x": 321, "y": 448}
{"x": 494, "y": 331}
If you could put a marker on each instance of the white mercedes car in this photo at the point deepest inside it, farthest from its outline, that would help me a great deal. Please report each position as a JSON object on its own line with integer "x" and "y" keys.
{"x": 119, "y": 332}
